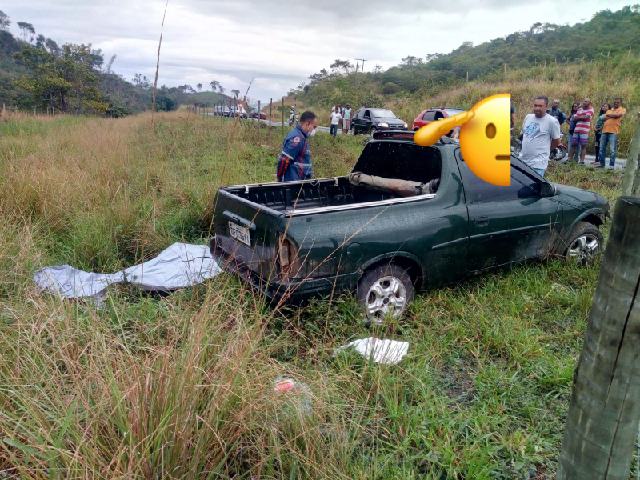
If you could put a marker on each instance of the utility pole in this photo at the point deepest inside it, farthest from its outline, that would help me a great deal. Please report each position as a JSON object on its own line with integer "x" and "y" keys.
{"x": 363, "y": 60}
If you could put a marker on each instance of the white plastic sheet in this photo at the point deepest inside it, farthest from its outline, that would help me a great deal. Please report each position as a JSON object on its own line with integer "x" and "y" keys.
{"x": 379, "y": 350}
{"x": 180, "y": 265}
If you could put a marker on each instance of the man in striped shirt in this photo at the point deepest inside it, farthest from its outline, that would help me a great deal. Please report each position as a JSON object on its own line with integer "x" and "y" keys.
{"x": 580, "y": 136}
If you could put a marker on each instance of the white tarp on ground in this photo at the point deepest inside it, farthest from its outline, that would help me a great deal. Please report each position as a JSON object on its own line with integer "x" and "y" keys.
{"x": 379, "y": 350}
{"x": 180, "y": 265}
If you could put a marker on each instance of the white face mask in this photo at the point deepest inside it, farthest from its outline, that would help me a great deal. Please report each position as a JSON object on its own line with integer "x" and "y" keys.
{"x": 313, "y": 132}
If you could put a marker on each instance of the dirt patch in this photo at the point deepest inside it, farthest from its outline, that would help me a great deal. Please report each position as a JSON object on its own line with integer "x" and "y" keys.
{"x": 457, "y": 380}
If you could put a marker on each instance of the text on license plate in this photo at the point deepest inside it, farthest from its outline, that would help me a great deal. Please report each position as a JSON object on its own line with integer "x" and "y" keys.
{"x": 239, "y": 233}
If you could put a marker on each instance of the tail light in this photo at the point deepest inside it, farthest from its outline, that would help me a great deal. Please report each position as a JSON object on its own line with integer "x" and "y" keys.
{"x": 288, "y": 260}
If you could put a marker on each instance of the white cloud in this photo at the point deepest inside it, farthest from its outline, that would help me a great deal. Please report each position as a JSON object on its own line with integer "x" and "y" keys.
{"x": 279, "y": 43}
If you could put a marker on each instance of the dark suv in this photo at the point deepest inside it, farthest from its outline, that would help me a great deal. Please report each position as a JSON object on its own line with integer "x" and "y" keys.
{"x": 367, "y": 120}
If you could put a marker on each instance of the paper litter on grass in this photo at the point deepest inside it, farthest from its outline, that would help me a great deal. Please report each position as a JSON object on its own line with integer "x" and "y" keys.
{"x": 379, "y": 350}
{"x": 178, "y": 266}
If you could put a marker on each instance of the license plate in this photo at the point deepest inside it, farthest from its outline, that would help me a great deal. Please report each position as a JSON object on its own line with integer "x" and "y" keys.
{"x": 240, "y": 233}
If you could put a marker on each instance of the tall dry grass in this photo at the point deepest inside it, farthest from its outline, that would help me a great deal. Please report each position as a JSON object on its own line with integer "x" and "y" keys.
{"x": 144, "y": 388}
{"x": 117, "y": 190}
{"x": 600, "y": 80}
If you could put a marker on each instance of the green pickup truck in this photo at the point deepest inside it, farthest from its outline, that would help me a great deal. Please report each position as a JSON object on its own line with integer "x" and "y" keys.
{"x": 420, "y": 218}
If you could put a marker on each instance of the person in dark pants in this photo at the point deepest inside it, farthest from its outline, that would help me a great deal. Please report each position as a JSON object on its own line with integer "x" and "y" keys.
{"x": 512, "y": 114}
{"x": 610, "y": 132}
{"x": 572, "y": 126}
{"x": 335, "y": 121}
{"x": 294, "y": 161}
{"x": 598, "y": 129}
{"x": 559, "y": 115}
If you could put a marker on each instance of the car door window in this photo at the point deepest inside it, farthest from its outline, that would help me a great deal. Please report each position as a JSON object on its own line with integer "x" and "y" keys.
{"x": 429, "y": 116}
{"x": 367, "y": 115}
{"x": 478, "y": 191}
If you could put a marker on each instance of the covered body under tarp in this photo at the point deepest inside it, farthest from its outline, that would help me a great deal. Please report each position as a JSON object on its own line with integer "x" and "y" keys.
{"x": 178, "y": 266}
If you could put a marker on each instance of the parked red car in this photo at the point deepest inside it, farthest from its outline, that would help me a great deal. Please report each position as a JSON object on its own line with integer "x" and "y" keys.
{"x": 432, "y": 114}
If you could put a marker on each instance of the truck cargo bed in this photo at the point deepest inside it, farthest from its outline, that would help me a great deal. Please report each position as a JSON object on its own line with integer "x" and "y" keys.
{"x": 295, "y": 196}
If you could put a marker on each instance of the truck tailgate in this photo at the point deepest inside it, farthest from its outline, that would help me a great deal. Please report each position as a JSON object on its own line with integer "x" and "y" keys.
{"x": 246, "y": 233}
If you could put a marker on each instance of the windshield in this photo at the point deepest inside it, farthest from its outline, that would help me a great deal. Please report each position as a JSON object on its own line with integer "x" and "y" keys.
{"x": 381, "y": 113}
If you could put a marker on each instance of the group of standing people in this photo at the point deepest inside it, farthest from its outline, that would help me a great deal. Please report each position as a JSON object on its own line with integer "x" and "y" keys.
{"x": 541, "y": 132}
{"x": 607, "y": 130}
{"x": 606, "y": 127}
{"x": 340, "y": 118}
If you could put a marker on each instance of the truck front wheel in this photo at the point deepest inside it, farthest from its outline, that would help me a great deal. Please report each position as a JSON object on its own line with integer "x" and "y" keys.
{"x": 385, "y": 291}
{"x": 585, "y": 243}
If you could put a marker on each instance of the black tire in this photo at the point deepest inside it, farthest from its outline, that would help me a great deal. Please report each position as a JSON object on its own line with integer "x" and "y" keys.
{"x": 394, "y": 293}
{"x": 584, "y": 244}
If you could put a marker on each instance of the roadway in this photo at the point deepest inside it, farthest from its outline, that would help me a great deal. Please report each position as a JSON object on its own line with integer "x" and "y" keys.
{"x": 620, "y": 162}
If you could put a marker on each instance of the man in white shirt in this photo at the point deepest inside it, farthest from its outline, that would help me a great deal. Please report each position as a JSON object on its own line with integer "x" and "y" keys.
{"x": 335, "y": 120}
{"x": 540, "y": 133}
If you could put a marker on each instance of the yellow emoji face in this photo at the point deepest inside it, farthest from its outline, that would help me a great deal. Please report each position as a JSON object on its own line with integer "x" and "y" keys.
{"x": 484, "y": 140}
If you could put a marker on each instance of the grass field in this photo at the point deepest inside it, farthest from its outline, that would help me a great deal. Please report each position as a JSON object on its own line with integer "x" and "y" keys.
{"x": 182, "y": 386}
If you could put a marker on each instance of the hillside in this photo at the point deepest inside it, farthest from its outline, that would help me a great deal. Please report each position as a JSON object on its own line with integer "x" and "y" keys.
{"x": 599, "y": 58}
{"x": 607, "y": 34}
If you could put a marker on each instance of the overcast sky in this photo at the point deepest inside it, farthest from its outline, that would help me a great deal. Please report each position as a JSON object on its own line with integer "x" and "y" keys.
{"x": 279, "y": 43}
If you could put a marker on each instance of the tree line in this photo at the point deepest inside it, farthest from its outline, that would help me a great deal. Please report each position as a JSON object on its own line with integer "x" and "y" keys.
{"x": 607, "y": 35}
{"x": 37, "y": 73}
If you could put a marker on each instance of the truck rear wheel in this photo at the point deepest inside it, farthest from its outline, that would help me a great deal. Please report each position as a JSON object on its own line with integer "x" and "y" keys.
{"x": 385, "y": 291}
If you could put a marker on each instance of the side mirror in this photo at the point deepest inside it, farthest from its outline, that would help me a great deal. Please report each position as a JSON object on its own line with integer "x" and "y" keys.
{"x": 547, "y": 190}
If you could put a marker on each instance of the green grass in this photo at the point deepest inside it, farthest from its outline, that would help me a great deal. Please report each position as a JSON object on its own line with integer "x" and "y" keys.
{"x": 181, "y": 386}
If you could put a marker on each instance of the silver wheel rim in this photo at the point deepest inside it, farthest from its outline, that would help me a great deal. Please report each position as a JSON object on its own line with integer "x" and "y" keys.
{"x": 387, "y": 296}
{"x": 584, "y": 248}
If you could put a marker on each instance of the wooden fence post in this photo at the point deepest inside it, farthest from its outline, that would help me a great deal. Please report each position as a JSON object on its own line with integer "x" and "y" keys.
{"x": 259, "y": 120}
{"x": 270, "y": 117}
{"x": 602, "y": 423}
